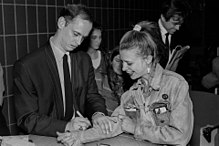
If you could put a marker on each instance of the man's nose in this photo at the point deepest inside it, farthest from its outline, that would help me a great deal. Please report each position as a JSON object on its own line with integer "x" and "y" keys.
{"x": 79, "y": 40}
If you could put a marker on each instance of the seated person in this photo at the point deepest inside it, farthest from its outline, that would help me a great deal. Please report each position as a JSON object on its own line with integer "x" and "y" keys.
{"x": 118, "y": 80}
{"x": 157, "y": 108}
{"x": 3, "y": 126}
{"x": 211, "y": 80}
{"x": 55, "y": 81}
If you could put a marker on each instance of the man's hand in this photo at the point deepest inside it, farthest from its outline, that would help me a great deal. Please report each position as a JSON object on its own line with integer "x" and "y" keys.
{"x": 78, "y": 123}
{"x": 103, "y": 122}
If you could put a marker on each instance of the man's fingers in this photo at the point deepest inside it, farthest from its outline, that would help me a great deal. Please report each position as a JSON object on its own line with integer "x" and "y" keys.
{"x": 84, "y": 120}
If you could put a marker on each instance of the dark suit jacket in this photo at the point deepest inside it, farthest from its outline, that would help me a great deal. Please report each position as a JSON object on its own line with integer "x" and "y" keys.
{"x": 38, "y": 95}
{"x": 3, "y": 125}
{"x": 181, "y": 37}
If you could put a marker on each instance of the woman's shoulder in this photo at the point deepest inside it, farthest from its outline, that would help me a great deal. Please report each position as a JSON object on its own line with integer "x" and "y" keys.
{"x": 173, "y": 77}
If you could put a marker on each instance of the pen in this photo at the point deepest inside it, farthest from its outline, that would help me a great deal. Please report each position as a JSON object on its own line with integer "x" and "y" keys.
{"x": 79, "y": 114}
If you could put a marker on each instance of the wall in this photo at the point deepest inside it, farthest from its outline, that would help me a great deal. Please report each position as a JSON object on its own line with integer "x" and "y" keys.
{"x": 27, "y": 24}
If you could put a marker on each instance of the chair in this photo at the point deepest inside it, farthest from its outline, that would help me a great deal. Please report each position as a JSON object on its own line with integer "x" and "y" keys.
{"x": 206, "y": 112}
{"x": 209, "y": 135}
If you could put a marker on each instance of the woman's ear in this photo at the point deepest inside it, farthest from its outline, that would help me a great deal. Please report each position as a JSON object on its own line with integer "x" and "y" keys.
{"x": 61, "y": 22}
{"x": 149, "y": 59}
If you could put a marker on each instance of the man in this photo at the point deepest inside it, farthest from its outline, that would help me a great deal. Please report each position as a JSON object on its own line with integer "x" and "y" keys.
{"x": 173, "y": 14}
{"x": 41, "y": 81}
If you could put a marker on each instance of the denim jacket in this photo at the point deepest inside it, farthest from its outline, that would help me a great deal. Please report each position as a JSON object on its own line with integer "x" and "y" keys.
{"x": 163, "y": 110}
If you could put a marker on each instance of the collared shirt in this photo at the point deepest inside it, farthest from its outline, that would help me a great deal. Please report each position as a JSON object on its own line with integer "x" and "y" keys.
{"x": 163, "y": 35}
{"x": 59, "y": 61}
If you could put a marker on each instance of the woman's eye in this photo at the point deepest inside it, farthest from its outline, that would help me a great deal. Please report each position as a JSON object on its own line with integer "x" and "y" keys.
{"x": 93, "y": 37}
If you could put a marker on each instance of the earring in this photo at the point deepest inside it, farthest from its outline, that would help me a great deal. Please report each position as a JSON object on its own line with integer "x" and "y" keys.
{"x": 148, "y": 70}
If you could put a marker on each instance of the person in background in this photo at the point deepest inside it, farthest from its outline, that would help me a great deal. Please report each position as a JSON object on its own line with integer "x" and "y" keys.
{"x": 97, "y": 55}
{"x": 211, "y": 80}
{"x": 157, "y": 108}
{"x": 3, "y": 126}
{"x": 173, "y": 15}
{"x": 100, "y": 62}
{"x": 56, "y": 82}
{"x": 118, "y": 80}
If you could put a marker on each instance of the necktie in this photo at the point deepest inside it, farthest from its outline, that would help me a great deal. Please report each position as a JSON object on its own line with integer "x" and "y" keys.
{"x": 167, "y": 41}
{"x": 68, "y": 90}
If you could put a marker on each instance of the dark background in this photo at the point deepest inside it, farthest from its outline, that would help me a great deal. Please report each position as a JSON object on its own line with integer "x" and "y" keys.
{"x": 27, "y": 24}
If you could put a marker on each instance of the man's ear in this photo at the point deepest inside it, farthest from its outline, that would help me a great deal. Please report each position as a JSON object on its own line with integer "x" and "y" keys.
{"x": 162, "y": 18}
{"x": 61, "y": 22}
{"x": 148, "y": 59}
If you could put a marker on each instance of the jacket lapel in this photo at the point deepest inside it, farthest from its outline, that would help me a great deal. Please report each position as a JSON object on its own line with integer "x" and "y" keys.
{"x": 75, "y": 79}
{"x": 56, "y": 81}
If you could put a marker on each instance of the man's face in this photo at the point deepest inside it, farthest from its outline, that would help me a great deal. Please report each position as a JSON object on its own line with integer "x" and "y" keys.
{"x": 73, "y": 33}
{"x": 173, "y": 24}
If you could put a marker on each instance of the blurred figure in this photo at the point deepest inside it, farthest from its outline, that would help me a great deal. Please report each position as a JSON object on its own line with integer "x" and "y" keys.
{"x": 3, "y": 126}
{"x": 173, "y": 15}
{"x": 211, "y": 80}
{"x": 97, "y": 55}
{"x": 100, "y": 61}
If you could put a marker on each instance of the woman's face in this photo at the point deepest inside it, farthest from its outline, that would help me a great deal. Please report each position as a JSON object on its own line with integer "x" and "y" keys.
{"x": 133, "y": 63}
{"x": 117, "y": 64}
{"x": 95, "y": 39}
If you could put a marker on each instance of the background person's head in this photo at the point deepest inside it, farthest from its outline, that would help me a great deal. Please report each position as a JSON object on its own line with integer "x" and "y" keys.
{"x": 95, "y": 36}
{"x": 74, "y": 24}
{"x": 173, "y": 14}
{"x": 116, "y": 61}
{"x": 138, "y": 51}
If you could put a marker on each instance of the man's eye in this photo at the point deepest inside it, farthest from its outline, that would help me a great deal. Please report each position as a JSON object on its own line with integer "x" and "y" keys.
{"x": 129, "y": 64}
{"x": 75, "y": 34}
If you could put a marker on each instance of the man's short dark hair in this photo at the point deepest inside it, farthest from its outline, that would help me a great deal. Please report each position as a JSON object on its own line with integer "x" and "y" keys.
{"x": 175, "y": 7}
{"x": 73, "y": 10}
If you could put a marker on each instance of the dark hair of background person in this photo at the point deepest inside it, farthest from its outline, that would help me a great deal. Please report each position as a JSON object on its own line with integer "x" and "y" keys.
{"x": 114, "y": 82}
{"x": 71, "y": 11}
{"x": 86, "y": 43}
{"x": 171, "y": 7}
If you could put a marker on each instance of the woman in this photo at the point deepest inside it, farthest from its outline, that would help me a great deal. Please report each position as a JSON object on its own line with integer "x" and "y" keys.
{"x": 100, "y": 59}
{"x": 157, "y": 108}
{"x": 118, "y": 80}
